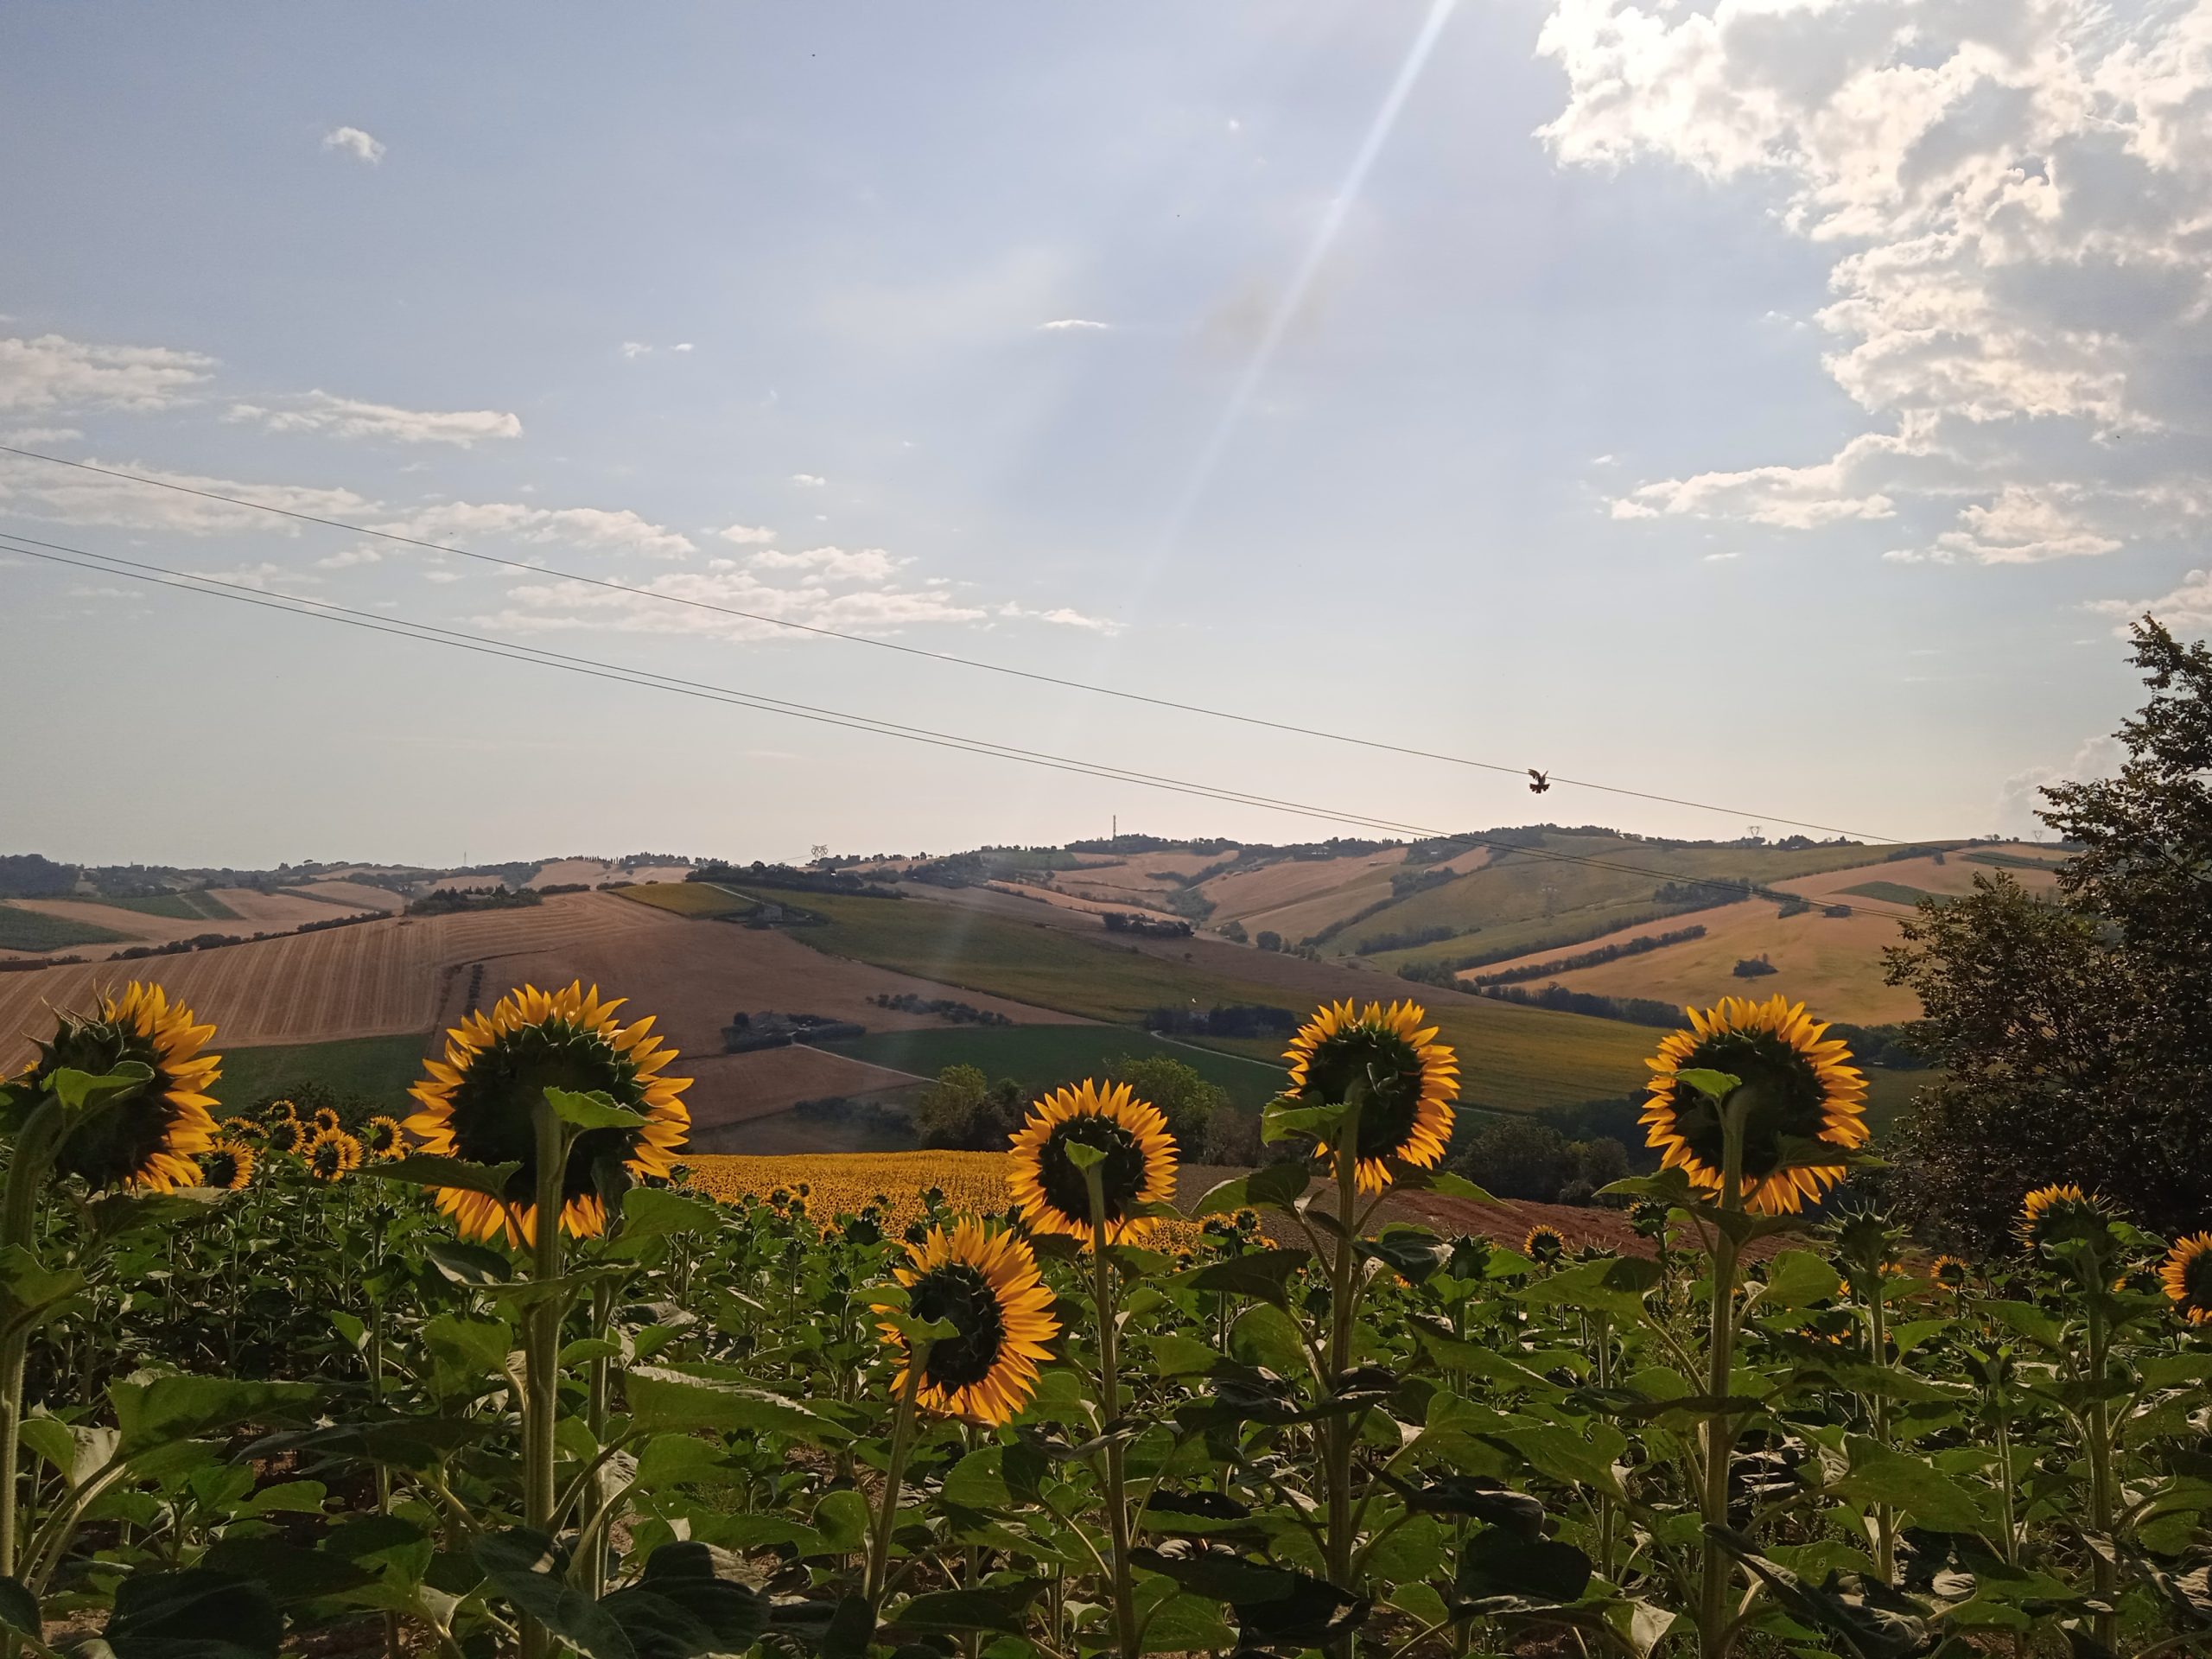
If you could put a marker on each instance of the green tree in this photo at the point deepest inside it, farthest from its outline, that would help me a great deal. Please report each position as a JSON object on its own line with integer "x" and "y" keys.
{"x": 2072, "y": 1034}
{"x": 1520, "y": 1157}
{"x": 1185, "y": 1099}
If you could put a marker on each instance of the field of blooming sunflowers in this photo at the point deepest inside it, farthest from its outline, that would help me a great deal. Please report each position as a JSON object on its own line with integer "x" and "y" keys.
{"x": 497, "y": 1372}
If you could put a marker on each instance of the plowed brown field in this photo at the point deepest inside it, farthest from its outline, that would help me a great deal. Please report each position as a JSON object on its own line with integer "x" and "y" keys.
{"x": 407, "y": 974}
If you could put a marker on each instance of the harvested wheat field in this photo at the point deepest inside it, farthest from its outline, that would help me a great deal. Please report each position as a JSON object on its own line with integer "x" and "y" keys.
{"x": 693, "y": 976}
{"x": 380, "y": 978}
{"x": 352, "y": 895}
{"x": 134, "y": 927}
{"x": 1087, "y": 903}
{"x": 271, "y": 912}
{"x": 729, "y": 1091}
{"x": 1244, "y": 894}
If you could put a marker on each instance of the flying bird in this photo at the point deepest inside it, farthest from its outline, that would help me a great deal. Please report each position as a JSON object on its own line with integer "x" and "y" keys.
{"x": 1538, "y": 781}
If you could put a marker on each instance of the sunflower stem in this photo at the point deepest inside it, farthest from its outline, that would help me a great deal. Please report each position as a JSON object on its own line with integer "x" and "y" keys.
{"x": 541, "y": 1349}
{"x": 1714, "y": 1611}
{"x": 27, "y": 1170}
{"x": 2098, "y": 1435}
{"x": 1110, "y": 1410}
{"x": 1344, "y": 1289}
{"x": 894, "y": 1471}
{"x": 595, "y": 1490}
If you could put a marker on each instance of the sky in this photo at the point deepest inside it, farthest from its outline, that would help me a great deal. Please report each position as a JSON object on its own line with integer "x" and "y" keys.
{"x": 1781, "y": 405}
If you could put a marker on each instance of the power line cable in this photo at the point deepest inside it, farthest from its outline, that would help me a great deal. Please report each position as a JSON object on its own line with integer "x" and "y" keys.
{"x": 297, "y": 605}
{"x": 1552, "y": 778}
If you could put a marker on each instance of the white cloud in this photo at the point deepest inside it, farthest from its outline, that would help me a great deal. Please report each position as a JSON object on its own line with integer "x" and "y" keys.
{"x": 1792, "y": 497}
{"x": 682, "y": 346}
{"x": 809, "y": 480}
{"x": 258, "y": 576}
{"x": 1075, "y": 324}
{"x": 2016, "y": 194}
{"x": 2018, "y": 796}
{"x": 354, "y": 143}
{"x": 348, "y": 558}
{"x": 746, "y": 535}
{"x": 2025, "y": 525}
{"x": 538, "y": 607}
{"x": 36, "y": 436}
{"x": 634, "y": 349}
{"x": 1062, "y": 616}
{"x": 68, "y": 496}
{"x": 1720, "y": 558}
{"x": 2187, "y": 610}
{"x": 349, "y": 418}
{"x": 50, "y": 372}
{"x": 443, "y": 576}
{"x": 833, "y": 564}
{"x": 598, "y": 529}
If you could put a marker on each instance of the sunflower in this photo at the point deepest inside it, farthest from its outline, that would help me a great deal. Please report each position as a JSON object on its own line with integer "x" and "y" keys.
{"x": 238, "y": 1129}
{"x": 276, "y": 1108}
{"x": 1950, "y": 1272}
{"x": 1801, "y": 1088}
{"x": 382, "y": 1137}
{"x": 985, "y": 1284}
{"x": 148, "y": 1138}
{"x": 2059, "y": 1214}
{"x": 283, "y": 1134}
{"x": 1412, "y": 1078}
{"x": 479, "y": 1103}
{"x": 227, "y": 1166}
{"x": 1544, "y": 1243}
{"x": 327, "y": 1119}
{"x": 2187, "y": 1277}
{"x": 1139, "y": 1168}
{"x": 333, "y": 1154}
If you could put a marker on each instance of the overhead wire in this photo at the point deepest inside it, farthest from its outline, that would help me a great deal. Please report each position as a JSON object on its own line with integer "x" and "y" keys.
{"x": 1552, "y": 779}
{"x": 401, "y": 627}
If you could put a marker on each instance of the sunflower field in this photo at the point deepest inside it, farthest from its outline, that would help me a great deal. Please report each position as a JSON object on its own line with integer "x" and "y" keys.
{"x": 498, "y": 1374}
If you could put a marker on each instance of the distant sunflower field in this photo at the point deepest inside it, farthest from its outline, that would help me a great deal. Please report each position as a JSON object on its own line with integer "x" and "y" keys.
{"x": 501, "y": 1371}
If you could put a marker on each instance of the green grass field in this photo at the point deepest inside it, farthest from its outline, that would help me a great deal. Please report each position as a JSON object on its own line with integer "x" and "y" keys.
{"x": 28, "y": 930}
{"x": 1893, "y": 892}
{"x": 176, "y": 906}
{"x": 698, "y": 899}
{"x": 375, "y": 1068}
{"x": 1512, "y": 1058}
{"x": 1523, "y": 901}
{"x": 1043, "y": 1057}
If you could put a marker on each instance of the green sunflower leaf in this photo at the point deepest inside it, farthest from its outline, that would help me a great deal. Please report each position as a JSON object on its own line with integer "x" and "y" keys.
{"x": 429, "y": 1169}
{"x": 1278, "y": 1187}
{"x": 595, "y": 1111}
{"x": 1716, "y": 1085}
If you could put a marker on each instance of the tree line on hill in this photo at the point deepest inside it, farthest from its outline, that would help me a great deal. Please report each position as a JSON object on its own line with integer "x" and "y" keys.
{"x": 453, "y": 901}
{"x": 784, "y": 878}
{"x": 965, "y": 1109}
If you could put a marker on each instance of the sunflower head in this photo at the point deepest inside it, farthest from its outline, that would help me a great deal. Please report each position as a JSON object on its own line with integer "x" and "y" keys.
{"x": 382, "y": 1137}
{"x": 2061, "y": 1216}
{"x": 985, "y": 1284}
{"x": 227, "y": 1167}
{"x": 333, "y": 1154}
{"x": 283, "y": 1134}
{"x": 325, "y": 1119}
{"x": 2187, "y": 1277}
{"x": 146, "y": 1138}
{"x": 1470, "y": 1258}
{"x": 1409, "y": 1082}
{"x": 1544, "y": 1244}
{"x": 276, "y": 1108}
{"x": 479, "y": 1103}
{"x": 1796, "y": 1086}
{"x": 1867, "y": 1244}
{"x": 1950, "y": 1272}
{"x": 1138, "y": 1164}
{"x": 238, "y": 1130}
